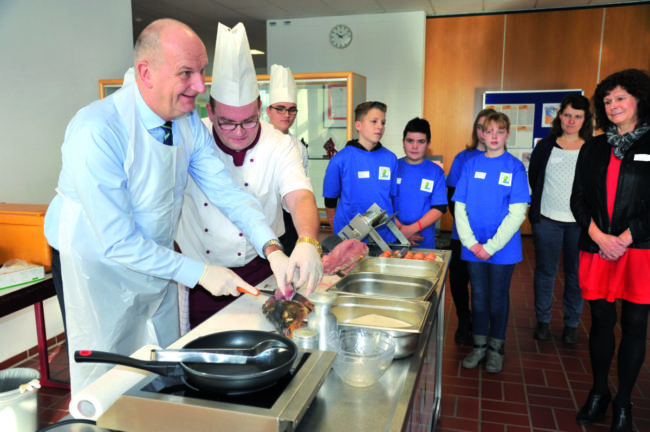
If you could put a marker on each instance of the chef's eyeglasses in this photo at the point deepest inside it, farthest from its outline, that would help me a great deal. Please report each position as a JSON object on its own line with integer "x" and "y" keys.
{"x": 229, "y": 127}
{"x": 282, "y": 109}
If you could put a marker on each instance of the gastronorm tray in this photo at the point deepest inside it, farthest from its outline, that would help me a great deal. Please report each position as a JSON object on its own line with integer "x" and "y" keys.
{"x": 402, "y": 267}
{"x": 385, "y": 285}
{"x": 412, "y": 313}
{"x": 402, "y": 319}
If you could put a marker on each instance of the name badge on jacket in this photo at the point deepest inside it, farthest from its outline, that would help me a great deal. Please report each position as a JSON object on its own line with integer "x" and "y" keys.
{"x": 505, "y": 179}
{"x": 642, "y": 157}
{"x": 363, "y": 174}
{"x": 479, "y": 175}
{"x": 384, "y": 173}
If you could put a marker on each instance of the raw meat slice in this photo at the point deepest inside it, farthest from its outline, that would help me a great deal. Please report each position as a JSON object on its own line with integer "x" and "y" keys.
{"x": 344, "y": 256}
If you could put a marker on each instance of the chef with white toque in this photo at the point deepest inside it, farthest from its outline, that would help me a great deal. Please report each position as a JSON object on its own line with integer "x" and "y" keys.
{"x": 283, "y": 105}
{"x": 265, "y": 163}
{"x": 282, "y": 111}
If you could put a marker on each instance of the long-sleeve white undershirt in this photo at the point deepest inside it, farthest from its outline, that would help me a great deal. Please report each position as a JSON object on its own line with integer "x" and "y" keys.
{"x": 509, "y": 226}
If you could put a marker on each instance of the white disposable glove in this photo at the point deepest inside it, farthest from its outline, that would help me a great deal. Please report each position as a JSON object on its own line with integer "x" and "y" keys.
{"x": 223, "y": 281}
{"x": 279, "y": 263}
{"x": 306, "y": 262}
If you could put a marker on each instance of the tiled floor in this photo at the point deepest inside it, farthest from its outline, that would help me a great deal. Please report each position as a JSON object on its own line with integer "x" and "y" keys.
{"x": 540, "y": 389}
{"x": 542, "y": 385}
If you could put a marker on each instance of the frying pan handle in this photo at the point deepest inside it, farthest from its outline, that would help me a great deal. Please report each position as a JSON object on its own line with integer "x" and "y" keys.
{"x": 158, "y": 367}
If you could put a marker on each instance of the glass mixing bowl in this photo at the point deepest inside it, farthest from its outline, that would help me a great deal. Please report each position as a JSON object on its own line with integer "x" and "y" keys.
{"x": 363, "y": 356}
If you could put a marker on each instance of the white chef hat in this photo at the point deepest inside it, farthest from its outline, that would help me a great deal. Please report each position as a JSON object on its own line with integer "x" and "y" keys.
{"x": 234, "y": 81}
{"x": 282, "y": 87}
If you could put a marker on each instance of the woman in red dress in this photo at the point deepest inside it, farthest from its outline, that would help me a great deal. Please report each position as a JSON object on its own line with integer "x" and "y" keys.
{"x": 611, "y": 203}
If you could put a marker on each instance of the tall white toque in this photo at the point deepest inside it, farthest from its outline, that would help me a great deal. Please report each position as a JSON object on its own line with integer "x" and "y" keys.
{"x": 282, "y": 87}
{"x": 234, "y": 81}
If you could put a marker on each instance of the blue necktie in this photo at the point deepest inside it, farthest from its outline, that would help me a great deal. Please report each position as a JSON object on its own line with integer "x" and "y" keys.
{"x": 167, "y": 129}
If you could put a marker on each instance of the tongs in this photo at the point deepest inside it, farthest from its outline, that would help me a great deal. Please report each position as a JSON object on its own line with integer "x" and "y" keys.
{"x": 261, "y": 353}
{"x": 264, "y": 358}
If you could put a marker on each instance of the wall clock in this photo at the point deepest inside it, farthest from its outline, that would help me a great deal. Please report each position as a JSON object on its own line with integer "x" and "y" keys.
{"x": 340, "y": 36}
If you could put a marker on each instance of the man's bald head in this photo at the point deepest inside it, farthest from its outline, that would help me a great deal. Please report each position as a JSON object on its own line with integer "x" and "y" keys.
{"x": 170, "y": 62}
{"x": 149, "y": 43}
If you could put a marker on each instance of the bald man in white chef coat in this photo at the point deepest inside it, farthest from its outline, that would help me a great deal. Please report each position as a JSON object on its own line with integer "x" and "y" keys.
{"x": 265, "y": 163}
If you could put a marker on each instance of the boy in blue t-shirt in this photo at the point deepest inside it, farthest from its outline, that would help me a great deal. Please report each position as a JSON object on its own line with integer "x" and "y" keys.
{"x": 362, "y": 173}
{"x": 421, "y": 195}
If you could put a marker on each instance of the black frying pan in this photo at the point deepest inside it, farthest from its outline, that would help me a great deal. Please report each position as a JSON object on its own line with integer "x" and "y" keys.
{"x": 215, "y": 378}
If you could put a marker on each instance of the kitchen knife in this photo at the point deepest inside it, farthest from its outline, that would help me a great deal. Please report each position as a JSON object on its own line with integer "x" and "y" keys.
{"x": 242, "y": 290}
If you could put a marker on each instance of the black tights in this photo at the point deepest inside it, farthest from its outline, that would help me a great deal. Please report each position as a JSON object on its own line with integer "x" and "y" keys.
{"x": 631, "y": 351}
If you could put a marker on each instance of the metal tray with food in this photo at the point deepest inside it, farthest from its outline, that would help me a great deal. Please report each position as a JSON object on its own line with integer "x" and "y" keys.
{"x": 385, "y": 285}
{"x": 402, "y": 319}
{"x": 399, "y": 266}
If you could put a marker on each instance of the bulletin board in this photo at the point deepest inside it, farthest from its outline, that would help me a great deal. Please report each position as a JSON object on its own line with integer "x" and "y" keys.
{"x": 531, "y": 114}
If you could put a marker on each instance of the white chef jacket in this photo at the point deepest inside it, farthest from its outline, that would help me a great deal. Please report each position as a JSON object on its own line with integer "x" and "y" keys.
{"x": 303, "y": 151}
{"x": 271, "y": 169}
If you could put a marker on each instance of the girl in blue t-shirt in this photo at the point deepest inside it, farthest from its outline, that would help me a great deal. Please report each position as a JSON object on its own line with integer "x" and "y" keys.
{"x": 491, "y": 200}
{"x": 458, "y": 275}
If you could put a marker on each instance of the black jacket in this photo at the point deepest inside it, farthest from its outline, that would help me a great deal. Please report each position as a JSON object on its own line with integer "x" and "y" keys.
{"x": 632, "y": 201}
{"x": 536, "y": 173}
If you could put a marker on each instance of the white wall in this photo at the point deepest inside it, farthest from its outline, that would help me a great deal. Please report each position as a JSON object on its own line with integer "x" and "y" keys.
{"x": 388, "y": 49}
{"x": 52, "y": 53}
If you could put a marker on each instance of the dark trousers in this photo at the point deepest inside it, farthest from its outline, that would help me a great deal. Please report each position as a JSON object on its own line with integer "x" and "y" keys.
{"x": 459, "y": 281}
{"x": 58, "y": 283}
{"x": 552, "y": 240}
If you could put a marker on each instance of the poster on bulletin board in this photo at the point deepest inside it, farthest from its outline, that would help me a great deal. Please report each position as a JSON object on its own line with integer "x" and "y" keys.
{"x": 531, "y": 113}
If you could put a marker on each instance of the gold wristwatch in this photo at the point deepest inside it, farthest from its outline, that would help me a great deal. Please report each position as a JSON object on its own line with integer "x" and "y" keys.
{"x": 311, "y": 241}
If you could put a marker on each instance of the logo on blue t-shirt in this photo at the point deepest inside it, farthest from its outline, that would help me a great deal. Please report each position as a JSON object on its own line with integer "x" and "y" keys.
{"x": 505, "y": 179}
{"x": 384, "y": 173}
{"x": 426, "y": 185}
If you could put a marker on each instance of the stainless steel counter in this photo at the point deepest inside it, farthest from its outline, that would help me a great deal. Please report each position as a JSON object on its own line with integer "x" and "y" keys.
{"x": 407, "y": 397}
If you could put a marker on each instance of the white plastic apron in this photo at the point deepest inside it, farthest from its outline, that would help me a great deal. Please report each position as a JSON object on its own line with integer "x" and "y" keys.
{"x": 108, "y": 306}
